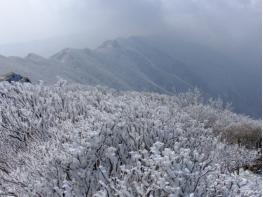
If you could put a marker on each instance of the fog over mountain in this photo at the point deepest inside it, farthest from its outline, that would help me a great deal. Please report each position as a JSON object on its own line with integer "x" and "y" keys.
{"x": 164, "y": 46}
{"x": 140, "y": 63}
{"x": 222, "y": 24}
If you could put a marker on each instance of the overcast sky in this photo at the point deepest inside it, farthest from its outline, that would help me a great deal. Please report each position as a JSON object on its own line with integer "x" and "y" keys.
{"x": 213, "y": 21}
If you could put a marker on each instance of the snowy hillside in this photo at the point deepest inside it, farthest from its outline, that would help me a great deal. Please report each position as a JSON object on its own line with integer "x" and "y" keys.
{"x": 74, "y": 140}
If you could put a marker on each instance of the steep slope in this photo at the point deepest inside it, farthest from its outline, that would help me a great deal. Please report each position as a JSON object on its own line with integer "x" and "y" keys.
{"x": 87, "y": 68}
{"x": 120, "y": 55}
{"x": 224, "y": 74}
{"x": 117, "y": 65}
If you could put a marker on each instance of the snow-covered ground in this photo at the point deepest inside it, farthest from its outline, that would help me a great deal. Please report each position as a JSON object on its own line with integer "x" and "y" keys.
{"x": 70, "y": 140}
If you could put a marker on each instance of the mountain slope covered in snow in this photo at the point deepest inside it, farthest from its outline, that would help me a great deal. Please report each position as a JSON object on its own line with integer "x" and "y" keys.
{"x": 69, "y": 140}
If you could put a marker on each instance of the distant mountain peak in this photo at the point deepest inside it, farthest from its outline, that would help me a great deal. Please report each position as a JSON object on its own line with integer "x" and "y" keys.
{"x": 110, "y": 44}
{"x": 63, "y": 54}
{"x": 33, "y": 56}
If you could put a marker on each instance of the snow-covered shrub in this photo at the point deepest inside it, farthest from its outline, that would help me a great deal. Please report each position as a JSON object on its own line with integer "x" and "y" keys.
{"x": 233, "y": 128}
{"x": 69, "y": 140}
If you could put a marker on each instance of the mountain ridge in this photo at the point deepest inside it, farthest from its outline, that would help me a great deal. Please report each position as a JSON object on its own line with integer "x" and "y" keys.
{"x": 136, "y": 63}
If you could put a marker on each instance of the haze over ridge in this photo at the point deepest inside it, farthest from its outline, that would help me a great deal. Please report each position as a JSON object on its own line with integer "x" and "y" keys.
{"x": 143, "y": 64}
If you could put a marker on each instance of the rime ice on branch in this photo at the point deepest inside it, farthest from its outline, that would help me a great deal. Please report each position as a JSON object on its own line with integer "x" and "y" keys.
{"x": 69, "y": 140}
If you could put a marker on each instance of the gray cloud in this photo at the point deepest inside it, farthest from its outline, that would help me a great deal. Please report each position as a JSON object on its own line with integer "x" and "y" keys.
{"x": 216, "y": 22}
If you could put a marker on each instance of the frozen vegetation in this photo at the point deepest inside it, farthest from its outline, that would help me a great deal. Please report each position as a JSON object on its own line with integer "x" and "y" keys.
{"x": 73, "y": 141}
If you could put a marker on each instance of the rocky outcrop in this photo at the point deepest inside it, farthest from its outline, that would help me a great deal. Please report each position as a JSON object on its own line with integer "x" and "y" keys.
{"x": 13, "y": 77}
